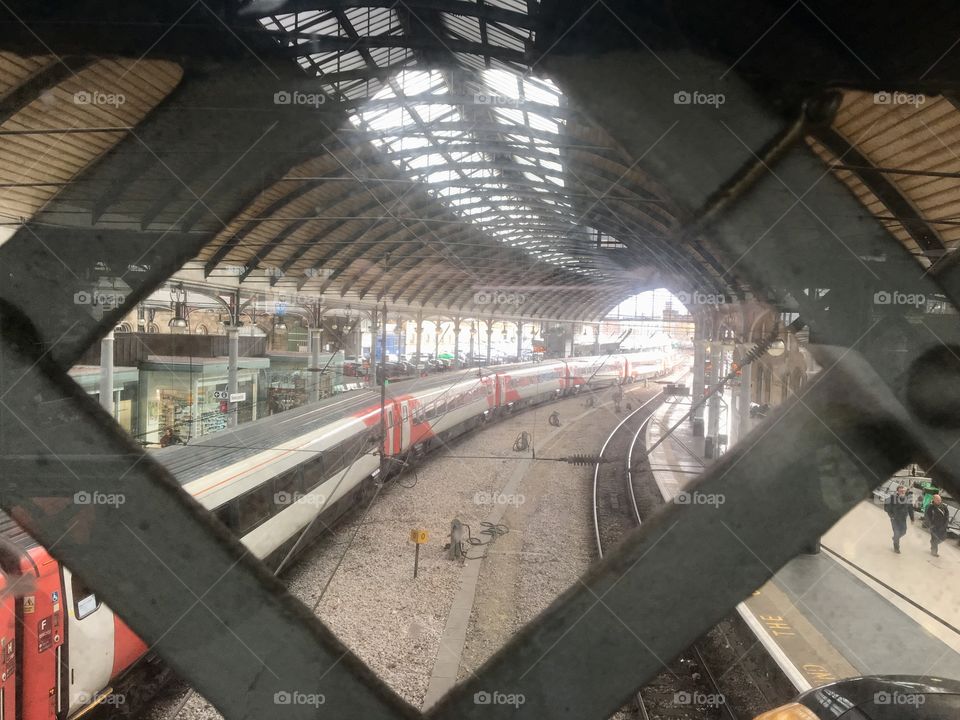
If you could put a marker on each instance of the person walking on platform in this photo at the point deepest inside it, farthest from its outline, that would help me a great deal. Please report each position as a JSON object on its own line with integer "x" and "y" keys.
{"x": 898, "y": 507}
{"x": 938, "y": 517}
{"x": 617, "y": 398}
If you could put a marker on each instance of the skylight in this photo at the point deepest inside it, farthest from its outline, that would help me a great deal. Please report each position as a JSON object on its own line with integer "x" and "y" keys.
{"x": 491, "y": 154}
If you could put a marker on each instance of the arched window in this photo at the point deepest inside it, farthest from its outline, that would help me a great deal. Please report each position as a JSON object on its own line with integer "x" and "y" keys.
{"x": 123, "y": 328}
{"x": 200, "y": 330}
{"x": 153, "y": 327}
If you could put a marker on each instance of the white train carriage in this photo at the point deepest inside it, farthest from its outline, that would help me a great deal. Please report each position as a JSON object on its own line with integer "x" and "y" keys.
{"x": 597, "y": 370}
{"x": 444, "y": 411}
{"x": 269, "y": 498}
{"x": 644, "y": 364}
{"x": 525, "y": 386}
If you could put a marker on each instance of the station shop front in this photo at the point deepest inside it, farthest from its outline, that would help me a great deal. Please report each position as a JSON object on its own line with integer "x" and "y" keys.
{"x": 186, "y": 394}
{"x": 285, "y": 384}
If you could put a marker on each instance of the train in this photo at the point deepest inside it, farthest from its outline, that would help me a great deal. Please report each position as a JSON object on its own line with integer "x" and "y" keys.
{"x": 277, "y": 483}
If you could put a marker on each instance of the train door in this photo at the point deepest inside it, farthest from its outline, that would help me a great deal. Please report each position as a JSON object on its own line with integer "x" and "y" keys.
{"x": 389, "y": 444}
{"x": 404, "y": 424}
{"x": 90, "y": 643}
{"x": 8, "y": 656}
{"x": 40, "y": 638}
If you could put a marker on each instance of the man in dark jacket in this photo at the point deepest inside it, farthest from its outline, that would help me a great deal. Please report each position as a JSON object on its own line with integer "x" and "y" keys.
{"x": 938, "y": 517}
{"x": 898, "y": 507}
{"x": 617, "y": 397}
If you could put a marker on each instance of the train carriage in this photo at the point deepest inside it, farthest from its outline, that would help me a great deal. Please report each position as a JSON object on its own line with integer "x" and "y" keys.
{"x": 596, "y": 371}
{"x": 60, "y": 646}
{"x": 643, "y": 365}
{"x": 521, "y": 387}
{"x": 443, "y": 412}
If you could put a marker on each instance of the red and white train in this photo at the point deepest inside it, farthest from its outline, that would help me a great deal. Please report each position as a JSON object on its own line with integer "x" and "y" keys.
{"x": 63, "y": 652}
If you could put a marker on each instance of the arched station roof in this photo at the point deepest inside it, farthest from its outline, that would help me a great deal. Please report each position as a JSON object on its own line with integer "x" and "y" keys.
{"x": 436, "y": 158}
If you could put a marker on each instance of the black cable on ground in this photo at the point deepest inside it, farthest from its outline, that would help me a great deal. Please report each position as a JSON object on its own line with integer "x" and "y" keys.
{"x": 491, "y": 530}
{"x": 522, "y": 442}
{"x": 416, "y": 477}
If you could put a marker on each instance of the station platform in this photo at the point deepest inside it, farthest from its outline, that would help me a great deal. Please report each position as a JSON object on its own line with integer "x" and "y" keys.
{"x": 854, "y": 608}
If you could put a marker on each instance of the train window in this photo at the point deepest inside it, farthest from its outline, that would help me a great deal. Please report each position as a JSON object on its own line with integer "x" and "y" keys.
{"x": 352, "y": 449}
{"x": 312, "y": 473}
{"x": 227, "y": 514}
{"x": 286, "y": 488}
{"x": 255, "y": 507}
{"x": 84, "y": 601}
{"x": 338, "y": 457}
{"x": 331, "y": 463}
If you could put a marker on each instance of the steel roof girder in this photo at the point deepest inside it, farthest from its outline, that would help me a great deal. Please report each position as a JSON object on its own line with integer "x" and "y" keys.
{"x": 340, "y": 200}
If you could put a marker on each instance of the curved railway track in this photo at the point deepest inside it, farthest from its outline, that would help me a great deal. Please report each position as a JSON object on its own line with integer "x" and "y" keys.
{"x": 687, "y": 688}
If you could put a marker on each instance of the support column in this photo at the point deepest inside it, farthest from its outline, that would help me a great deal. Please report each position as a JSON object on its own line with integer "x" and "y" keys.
{"x": 698, "y": 381}
{"x": 436, "y": 340}
{"x": 713, "y": 418}
{"x": 456, "y": 343}
{"x": 374, "y": 318}
{"x": 519, "y": 340}
{"x": 314, "y": 337}
{"x": 383, "y": 358}
{"x": 473, "y": 338}
{"x": 106, "y": 372}
{"x": 400, "y": 338}
{"x": 489, "y": 338}
{"x": 746, "y": 377}
{"x": 419, "y": 336}
{"x": 233, "y": 360}
{"x": 596, "y": 339}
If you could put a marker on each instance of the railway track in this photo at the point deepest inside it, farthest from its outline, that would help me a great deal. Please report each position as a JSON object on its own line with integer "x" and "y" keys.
{"x": 687, "y": 688}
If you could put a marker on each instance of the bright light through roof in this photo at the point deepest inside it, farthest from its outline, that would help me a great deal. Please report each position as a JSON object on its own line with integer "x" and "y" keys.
{"x": 488, "y": 146}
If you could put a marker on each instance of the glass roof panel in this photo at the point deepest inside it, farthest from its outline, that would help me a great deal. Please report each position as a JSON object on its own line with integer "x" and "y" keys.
{"x": 471, "y": 153}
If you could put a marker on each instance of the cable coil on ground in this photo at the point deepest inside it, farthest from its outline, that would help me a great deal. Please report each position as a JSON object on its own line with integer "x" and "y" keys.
{"x": 522, "y": 442}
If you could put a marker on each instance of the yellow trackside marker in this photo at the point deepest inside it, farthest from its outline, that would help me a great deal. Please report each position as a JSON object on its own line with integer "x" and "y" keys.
{"x": 419, "y": 537}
